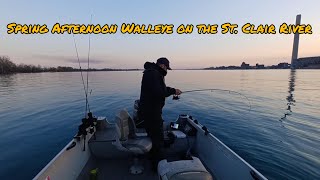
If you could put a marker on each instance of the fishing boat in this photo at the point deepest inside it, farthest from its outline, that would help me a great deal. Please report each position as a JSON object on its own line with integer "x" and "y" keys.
{"x": 105, "y": 149}
{"x": 119, "y": 149}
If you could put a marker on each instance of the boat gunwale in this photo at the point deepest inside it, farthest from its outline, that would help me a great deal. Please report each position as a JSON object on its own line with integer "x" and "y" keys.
{"x": 58, "y": 155}
{"x": 200, "y": 126}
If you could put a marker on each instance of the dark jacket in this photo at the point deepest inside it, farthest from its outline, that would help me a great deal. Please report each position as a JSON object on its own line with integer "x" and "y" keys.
{"x": 153, "y": 92}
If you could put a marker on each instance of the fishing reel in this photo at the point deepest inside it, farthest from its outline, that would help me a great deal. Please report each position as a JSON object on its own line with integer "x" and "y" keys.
{"x": 87, "y": 126}
{"x": 87, "y": 123}
{"x": 175, "y": 97}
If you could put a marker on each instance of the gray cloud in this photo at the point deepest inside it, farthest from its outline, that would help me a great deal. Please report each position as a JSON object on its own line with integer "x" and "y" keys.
{"x": 92, "y": 61}
{"x": 69, "y": 59}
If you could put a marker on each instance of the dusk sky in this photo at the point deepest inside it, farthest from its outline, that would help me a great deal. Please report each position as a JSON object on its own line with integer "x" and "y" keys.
{"x": 184, "y": 51}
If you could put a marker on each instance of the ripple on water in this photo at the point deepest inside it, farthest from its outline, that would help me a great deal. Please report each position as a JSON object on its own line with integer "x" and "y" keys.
{"x": 39, "y": 114}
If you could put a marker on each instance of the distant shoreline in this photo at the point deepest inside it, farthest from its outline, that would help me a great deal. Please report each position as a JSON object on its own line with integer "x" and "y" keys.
{"x": 8, "y": 67}
{"x": 123, "y": 70}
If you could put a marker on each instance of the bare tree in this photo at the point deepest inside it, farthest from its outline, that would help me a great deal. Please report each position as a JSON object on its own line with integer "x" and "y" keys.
{"x": 7, "y": 66}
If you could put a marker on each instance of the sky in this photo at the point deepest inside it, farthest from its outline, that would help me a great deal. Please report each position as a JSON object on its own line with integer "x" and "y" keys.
{"x": 131, "y": 51}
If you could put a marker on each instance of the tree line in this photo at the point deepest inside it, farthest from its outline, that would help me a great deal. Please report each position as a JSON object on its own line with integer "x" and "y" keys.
{"x": 8, "y": 67}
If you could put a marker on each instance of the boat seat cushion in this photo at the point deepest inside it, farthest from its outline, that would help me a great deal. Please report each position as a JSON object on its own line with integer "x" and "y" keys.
{"x": 139, "y": 145}
{"x": 183, "y": 169}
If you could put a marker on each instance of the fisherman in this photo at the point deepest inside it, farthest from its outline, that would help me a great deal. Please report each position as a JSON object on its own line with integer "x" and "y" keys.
{"x": 152, "y": 99}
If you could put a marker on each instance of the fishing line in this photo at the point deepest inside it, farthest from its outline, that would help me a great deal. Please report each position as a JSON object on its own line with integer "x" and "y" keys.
{"x": 229, "y": 110}
{"x": 222, "y": 90}
{"x": 226, "y": 109}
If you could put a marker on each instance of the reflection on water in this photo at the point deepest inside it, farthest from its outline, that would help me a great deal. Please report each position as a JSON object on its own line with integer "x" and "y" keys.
{"x": 7, "y": 84}
{"x": 290, "y": 98}
{"x": 7, "y": 80}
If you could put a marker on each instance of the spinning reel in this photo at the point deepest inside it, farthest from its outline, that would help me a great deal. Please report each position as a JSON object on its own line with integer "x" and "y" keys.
{"x": 175, "y": 97}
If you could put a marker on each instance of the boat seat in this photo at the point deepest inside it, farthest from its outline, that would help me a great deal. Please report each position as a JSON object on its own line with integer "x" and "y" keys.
{"x": 132, "y": 142}
{"x": 138, "y": 145}
{"x": 184, "y": 169}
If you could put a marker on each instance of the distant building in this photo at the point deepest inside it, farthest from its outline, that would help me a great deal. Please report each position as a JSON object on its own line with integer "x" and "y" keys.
{"x": 259, "y": 66}
{"x": 308, "y": 62}
{"x": 283, "y": 66}
{"x": 245, "y": 66}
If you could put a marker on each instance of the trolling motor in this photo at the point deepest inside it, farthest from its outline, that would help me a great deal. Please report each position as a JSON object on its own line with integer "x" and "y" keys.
{"x": 90, "y": 123}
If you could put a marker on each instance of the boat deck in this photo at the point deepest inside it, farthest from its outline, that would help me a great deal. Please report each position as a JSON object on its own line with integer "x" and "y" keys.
{"x": 116, "y": 169}
{"x": 113, "y": 164}
{"x": 102, "y": 153}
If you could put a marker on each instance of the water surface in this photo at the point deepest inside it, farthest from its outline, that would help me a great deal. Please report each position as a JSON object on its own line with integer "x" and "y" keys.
{"x": 279, "y": 135}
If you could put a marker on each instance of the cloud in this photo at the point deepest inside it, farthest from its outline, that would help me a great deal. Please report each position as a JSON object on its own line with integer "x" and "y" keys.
{"x": 92, "y": 61}
{"x": 69, "y": 59}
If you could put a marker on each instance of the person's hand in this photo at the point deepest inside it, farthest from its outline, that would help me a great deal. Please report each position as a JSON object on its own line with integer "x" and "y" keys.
{"x": 178, "y": 92}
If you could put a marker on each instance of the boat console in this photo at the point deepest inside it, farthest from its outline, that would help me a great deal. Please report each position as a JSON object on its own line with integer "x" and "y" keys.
{"x": 179, "y": 137}
{"x": 183, "y": 125}
{"x": 180, "y": 164}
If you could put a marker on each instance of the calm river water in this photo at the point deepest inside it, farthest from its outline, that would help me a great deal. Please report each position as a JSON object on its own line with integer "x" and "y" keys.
{"x": 279, "y": 135}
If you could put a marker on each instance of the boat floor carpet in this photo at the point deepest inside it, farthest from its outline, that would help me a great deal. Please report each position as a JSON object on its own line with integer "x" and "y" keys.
{"x": 117, "y": 169}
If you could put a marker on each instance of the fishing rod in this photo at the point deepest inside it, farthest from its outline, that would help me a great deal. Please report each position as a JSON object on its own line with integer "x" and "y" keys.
{"x": 86, "y": 89}
{"x": 176, "y": 97}
{"x": 88, "y": 120}
{"x": 87, "y": 102}
{"x": 84, "y": 86}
